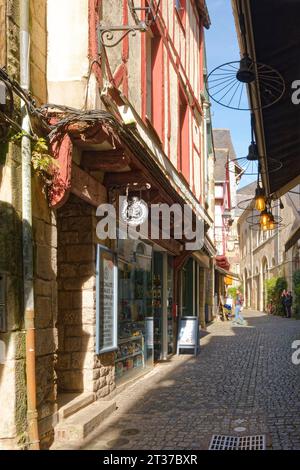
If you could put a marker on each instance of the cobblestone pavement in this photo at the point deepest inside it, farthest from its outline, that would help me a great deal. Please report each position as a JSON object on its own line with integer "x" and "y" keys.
{"x": 243, "y": 378}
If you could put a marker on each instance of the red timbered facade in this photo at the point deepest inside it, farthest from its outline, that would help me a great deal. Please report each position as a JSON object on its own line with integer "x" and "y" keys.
{"x": 127, "y": 120}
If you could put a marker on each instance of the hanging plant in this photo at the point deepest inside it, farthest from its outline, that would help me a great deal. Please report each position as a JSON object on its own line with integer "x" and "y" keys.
{"x": 43, "y": 163}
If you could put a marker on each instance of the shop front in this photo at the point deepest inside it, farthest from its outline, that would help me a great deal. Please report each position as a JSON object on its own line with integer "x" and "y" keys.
{"x": 145, "y": 308}
{"x": 194, "y": 288}
{"x": 135, "y": 313}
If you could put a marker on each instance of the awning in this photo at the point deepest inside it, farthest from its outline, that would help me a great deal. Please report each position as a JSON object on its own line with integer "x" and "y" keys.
{"x": 292, "y": 240}
{"x": 229, "y": 274}
{"x": 222, "y": 262}
{"x": 202, "y": 259}
{"x": 273, "y": 35}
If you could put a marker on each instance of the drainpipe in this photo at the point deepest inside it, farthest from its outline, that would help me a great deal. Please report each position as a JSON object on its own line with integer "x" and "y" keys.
{"x": 27, "y": 234}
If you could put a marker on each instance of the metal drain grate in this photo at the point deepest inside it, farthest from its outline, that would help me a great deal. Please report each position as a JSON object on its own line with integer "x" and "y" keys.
{"x": 237, "y": 442}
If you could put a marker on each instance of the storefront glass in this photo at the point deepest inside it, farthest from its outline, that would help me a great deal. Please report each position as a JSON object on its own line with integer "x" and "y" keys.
{"x": 170, "y": 304}
{"x": 188, "y": 294}
{"x": 158, "y": 304}
{"x": 163, "y": 305}
{"x": 135, "y": 320}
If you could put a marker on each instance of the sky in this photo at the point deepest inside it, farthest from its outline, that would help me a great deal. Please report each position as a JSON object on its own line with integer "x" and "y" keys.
{"x": 221, "y": 47}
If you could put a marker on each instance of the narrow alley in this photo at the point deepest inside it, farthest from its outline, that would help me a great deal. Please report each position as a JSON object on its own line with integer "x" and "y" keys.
{"x": 242, "y": 382}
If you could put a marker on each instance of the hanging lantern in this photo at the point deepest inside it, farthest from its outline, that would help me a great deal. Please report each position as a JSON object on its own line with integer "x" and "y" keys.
{"x": 271, "y": 223}
{"x": 246, "y": 72}
{"x": 260, "y": 199}
{"x": 264, "y": 218}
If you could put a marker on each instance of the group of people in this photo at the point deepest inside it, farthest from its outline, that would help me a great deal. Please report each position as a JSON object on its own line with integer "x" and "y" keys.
{"x": 236, "y": 306}
{"x": 287, "y": 302}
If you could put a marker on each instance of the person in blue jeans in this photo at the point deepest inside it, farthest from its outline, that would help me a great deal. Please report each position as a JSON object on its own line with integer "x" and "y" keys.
{"x": 238, "y": 305}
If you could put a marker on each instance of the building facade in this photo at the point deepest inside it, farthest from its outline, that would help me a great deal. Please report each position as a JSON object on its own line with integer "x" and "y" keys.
{"x": 126, "y": 120}
{"x": 227, "y": 176}
{"x": 268, "y": 254}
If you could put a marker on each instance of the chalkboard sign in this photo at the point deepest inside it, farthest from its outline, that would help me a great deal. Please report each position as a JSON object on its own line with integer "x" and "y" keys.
{"x": 106, "y": 301}
{"x": 188, "y": 334}
{"x": 149, "y": 331}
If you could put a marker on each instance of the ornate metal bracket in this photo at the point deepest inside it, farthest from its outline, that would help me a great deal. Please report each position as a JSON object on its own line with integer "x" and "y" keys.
{"x": 107, "y": 35}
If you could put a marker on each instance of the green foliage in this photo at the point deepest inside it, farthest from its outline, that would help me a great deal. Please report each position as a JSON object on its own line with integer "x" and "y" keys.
{"x": 42, "y": 162}
{"x": 15, "y": 138}
{"x": 270, "y": 285}
{"x": 274, "y": 288}
{"x": 296, "y": 279}
{"x": 232, "y": 292}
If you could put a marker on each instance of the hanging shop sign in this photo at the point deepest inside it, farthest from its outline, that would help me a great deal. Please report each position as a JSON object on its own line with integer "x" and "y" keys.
{"x": 106, "y": 301}
{"x": 188, "y": 334}
{"x": 228, "y": 281}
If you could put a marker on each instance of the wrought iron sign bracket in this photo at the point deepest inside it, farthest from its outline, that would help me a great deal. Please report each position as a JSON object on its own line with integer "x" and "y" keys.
{"x": 106, "y": 34}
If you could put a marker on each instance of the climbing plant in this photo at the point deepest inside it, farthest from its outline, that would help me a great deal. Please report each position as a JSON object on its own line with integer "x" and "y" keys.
{"x": 45, "y": 166}
{"x": 274, "y": 288}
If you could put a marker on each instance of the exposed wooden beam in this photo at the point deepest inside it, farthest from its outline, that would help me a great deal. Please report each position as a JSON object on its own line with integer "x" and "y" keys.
{"x": 87, "y": 188}
{"x": 127, "y": 177}
{"x": 106, "y": 160}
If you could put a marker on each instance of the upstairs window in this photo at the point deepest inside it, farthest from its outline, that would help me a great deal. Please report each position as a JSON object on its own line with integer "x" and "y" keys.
{"x": 183, "y": 157}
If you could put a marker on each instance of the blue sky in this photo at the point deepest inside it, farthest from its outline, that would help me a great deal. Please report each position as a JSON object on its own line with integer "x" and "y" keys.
{"x": 222, "y": 46}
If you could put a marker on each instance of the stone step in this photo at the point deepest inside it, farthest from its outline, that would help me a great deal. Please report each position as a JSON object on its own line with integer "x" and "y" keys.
{"x": 70, "y": 404}
{"x": 79, "y": 425}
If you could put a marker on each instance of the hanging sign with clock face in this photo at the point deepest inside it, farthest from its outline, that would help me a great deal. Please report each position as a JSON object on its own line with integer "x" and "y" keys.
{"x": 134, "y": 211}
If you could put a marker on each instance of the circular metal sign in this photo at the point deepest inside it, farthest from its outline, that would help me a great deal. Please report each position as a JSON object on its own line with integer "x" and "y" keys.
{"x": 134, "y": 211}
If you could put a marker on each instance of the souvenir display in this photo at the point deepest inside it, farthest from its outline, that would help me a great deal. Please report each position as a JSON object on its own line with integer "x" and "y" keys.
{"x": 135, "y": 304}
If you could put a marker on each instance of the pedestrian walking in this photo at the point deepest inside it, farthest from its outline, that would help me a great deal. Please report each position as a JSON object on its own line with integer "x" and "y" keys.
{"x": 283, "y": 300}
{"x": 239, "y": 301}
{"x": 288, "y": 304}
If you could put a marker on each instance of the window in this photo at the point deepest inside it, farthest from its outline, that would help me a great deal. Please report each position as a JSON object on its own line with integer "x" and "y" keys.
{"x": 183, "y": 157}
{"x": 157, "y": 96}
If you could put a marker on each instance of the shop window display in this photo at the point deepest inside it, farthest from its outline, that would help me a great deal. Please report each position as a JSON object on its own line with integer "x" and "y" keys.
{"x": 135, "y": 345}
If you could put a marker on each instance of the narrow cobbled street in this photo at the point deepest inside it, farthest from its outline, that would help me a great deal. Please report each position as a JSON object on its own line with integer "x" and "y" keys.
{"x": 242, "y": 383}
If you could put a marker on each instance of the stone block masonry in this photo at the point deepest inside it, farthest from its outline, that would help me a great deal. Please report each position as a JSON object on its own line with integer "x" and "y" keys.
{"x": 79, "y": 369}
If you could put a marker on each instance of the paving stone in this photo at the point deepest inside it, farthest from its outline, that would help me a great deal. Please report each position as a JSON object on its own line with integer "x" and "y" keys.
{"x": 243, "y": 377}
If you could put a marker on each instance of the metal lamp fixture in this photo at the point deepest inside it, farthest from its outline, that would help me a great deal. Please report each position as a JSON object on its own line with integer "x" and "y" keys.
{"x": 260, "y": 199}
{"x": 271, "y": 223}
{"x": 264, "y": 218}
{"x": 232, "y": 83}
{"x": 251, "y": 164}
{"x": 246, "y": 73}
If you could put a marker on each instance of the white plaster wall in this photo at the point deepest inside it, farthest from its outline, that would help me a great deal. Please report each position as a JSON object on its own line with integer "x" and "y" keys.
{"x": 67, "y": 27}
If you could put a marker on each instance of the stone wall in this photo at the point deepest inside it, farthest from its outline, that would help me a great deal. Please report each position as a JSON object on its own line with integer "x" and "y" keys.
{"x": 45, "y": 299}
{"x": 79, "y": 368}
{"x": 12, "y": 370}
